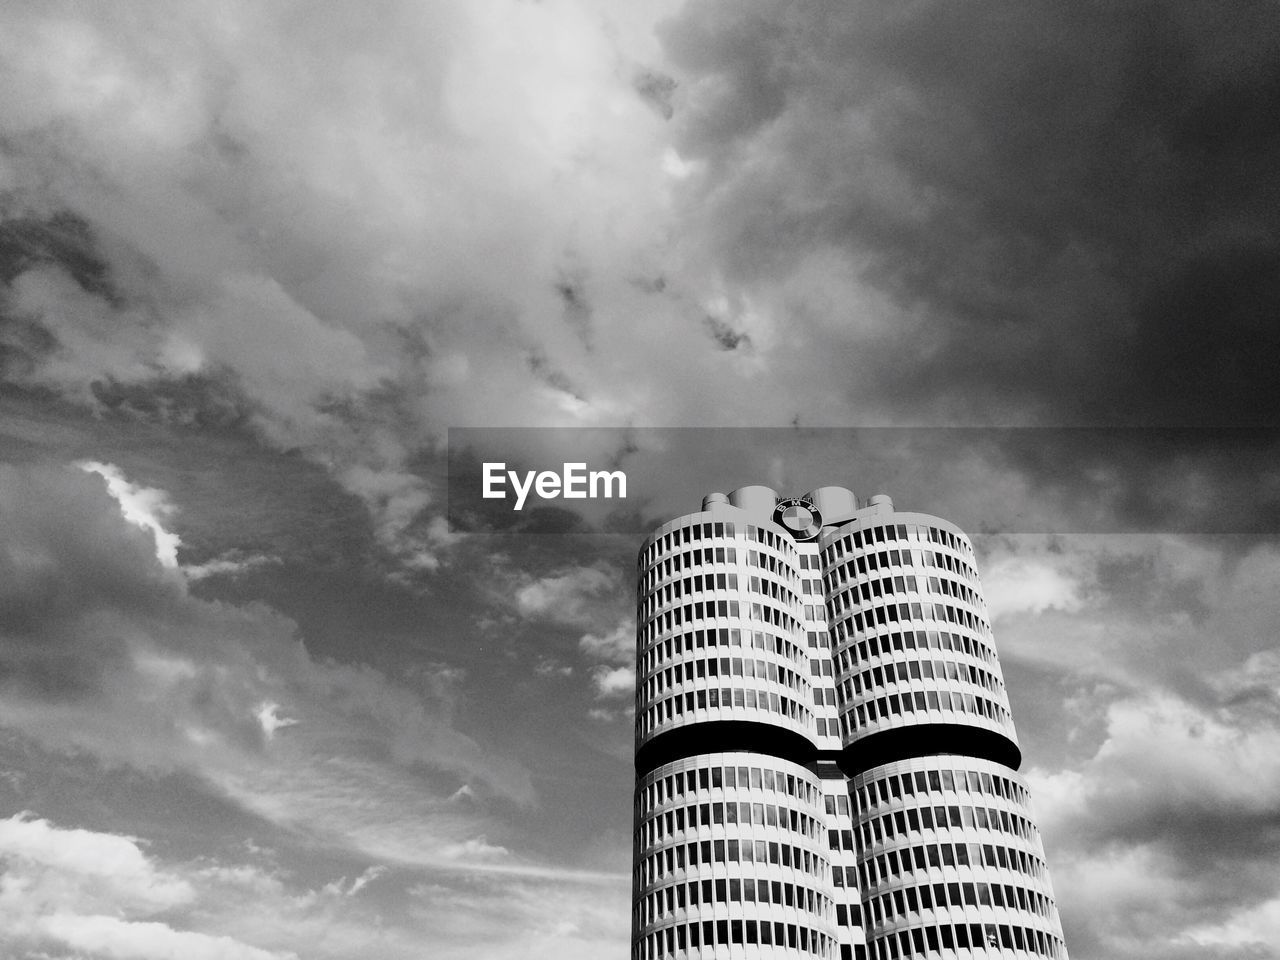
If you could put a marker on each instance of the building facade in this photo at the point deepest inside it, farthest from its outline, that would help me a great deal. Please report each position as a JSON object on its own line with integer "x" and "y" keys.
{"x": 826, "y": 765}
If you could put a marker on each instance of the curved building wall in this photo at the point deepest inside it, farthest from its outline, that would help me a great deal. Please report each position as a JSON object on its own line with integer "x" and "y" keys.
{"x": 720, "y": 636}
{"x": 950, "y": 861}
{"x": 731, "y": 860}
{"x": 913, "y": 643}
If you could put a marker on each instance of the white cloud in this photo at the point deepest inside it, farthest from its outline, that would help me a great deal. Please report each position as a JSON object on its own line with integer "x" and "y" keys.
{"x": 147, "y": 940}
{"x": 564, "y": 596}
{"x": 475, "y": 849}
{"x": 617, "y": 646}
{"x": 231, "y": 564}
{"x": 91, "y": 891}
{"x": 1135, "y": 832}
{"x": 144, "y": 507}
{"x": 1255, "y": 926}
{"x": 614, "y": 681}
{"x": 49, "y": 862}
{"x": 345, "y": 888}
{"x": 165, "y": 681}
{"x": 270, "y": 720}
{"x": 1162, "y": 752}
{"x": 1019, "y": 584}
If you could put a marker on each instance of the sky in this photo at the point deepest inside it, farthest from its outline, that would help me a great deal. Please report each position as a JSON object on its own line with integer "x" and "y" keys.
{"x": 273, "y": 275}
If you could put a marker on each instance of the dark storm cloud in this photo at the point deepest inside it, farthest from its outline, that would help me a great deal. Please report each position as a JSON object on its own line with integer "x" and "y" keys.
{"x": 64, "y": 238}
{"x": 724, "y": 335}
{"x": 1081, "y": 201}
{"x": 656, "y": 89}
{"x": 63, "y": 558}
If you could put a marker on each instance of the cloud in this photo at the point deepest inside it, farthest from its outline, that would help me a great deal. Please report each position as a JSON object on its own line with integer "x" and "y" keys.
{"x": 89, "y": 891}
{"x": 178, "y": 209}
{"x": 555, "y": 919}
{"x": 1017, "y": 585}
{"x": 343, "y": 888}
{"x": 615, "y": 677}
{"x": 1167, "y": 833}
{"x": 106, "y": 895}
{"x": 1254, "y": 926}
{"x": 567, "y": 596}
{"x": 105, "y": 651}
{"x": 347, "y": 236}
{"x": 145, "y": 507}
{"x": 617, "y": 646}
{"x": 614, "y": 681}
{"x": 1021, "y": 182}
{"x": 270, "y": 720}
{"x": 230, "y": 565}
{"x": 147, "y": 940}
{"x": 48, "y": 863}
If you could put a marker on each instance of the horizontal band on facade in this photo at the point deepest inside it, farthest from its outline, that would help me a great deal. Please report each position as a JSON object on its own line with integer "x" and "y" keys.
{"x": 925, "y": 740}
{"x": 886, "y": 746}
{"x": 729, "y": 736}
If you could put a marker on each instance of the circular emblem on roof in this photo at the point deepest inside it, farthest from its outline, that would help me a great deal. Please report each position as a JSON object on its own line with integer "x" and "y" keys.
{"x": 799, "y": 516}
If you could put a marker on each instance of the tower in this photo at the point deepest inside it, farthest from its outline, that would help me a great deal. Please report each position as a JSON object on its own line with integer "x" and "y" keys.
{"x": 826, "y": 765}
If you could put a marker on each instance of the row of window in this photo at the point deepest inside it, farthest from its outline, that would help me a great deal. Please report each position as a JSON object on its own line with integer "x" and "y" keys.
{"x": 671, "y": 592}
{"x": 889, "y": 644}
{"x": 966, "y": 936}
{"x": 696, "y": 559}
{"x": 827, "y": 728}
{"x": 871, "y": 590}
{"x": 901, "y": 823}
{"x": 693, "y": 640}
{"x": 688, "y": 937}
{"x": 888, "y": 533}
{"x": 702, "y": 779}
{"x": 696, "y": 532}
{"x": 904, "y": 671}
{"x": 894, "y": 864}
{"x": 703, "y": 610}
{"x": 895, "y": 706}
{"x": 665, "y": 711}
{"x": 867, "y": 563}
{"x": 911, "y": 901}
{"x": 725, "y": 890}
{"x": 684, "y": 856}
{"x": 849, "y": 915}
{"x": 945, "y": 561}
{"x": 837, "y": 804}
{"x": 763, "y": 586}
{"x": 895, "y": 786}
{"x": 698, "y": 583}
{"x": 821, "y": 667}
{"x": 868, "y": 619}
{"x": 892, "y": 706}
{"x": 672, "y": 822}
{"x": 824, "y": 696}
{"x": 712, "y": 667}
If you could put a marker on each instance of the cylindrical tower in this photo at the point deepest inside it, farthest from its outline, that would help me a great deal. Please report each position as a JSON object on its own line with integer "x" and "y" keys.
{"x": 731, "y": 838}
{"x": 721, "y": 656}
{"x": 731, "y": 860}
{"x": 826, "y": 765}
{"x": 950, "y": 859}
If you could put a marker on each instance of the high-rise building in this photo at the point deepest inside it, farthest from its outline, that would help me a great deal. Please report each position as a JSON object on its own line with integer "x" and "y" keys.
{"x": 825, "y": 762}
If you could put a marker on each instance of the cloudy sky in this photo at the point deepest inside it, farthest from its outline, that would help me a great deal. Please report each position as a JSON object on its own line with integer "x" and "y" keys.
{"x": 260, "y": 699}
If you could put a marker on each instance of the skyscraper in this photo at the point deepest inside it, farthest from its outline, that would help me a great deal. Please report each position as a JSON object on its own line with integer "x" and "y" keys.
{"x": 826, "y": 765}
